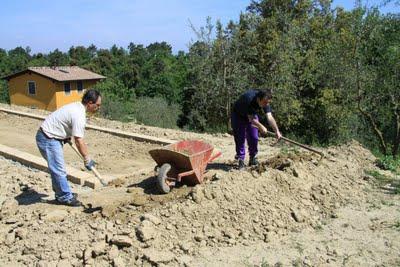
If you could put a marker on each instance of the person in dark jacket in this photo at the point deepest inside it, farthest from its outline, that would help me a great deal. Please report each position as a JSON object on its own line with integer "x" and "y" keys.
{"x": 246, "y": 125}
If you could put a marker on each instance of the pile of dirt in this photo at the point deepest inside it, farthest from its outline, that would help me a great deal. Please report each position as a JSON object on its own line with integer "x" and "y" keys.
{"x": 241, "y": 207}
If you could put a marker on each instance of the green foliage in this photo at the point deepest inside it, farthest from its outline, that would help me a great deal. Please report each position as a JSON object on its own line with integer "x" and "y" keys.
{"x": 387, "y": 162}
{"x": 384, "y": 180}
{"x": 114, "y": 109}
{"x": 80, "y": 56}
{"x": 396, "y": 225}
{"x": 18, "y": 59}
{"x": 58, "y": 58}
{"x": 218, "y": 72}
{"x": 161, "y": 73}
{"x": 4, "y": 96}
{"x": 156, "y": 112}
{"x": 115, "y": 89}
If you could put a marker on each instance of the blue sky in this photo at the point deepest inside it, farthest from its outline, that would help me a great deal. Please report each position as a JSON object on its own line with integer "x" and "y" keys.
{"x": 45, "y": 25}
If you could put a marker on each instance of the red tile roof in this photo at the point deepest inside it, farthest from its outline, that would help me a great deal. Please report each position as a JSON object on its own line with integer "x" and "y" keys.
{"x": 61, "y": 74}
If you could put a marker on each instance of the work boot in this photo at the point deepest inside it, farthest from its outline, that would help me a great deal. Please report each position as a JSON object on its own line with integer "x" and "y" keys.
{"x": 73, "y": 202}
{"x": 253, "y": 161}
{"x": 241, "y": 165}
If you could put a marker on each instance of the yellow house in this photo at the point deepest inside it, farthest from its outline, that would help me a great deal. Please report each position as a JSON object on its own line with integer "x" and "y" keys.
{"x": 50, "y": 88}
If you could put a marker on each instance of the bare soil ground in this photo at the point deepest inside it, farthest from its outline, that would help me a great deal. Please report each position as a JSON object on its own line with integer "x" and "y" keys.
{"x": 297, "y": 210}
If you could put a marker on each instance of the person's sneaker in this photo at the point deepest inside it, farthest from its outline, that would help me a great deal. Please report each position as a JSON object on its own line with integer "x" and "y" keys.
{"x": 241, "y": 165}
{"x": 73, "y": 202}
{"x": 253, "y": 161}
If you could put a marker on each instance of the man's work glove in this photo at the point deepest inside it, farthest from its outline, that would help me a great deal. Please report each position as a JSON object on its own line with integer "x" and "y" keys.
{"x": 89, "y": 163}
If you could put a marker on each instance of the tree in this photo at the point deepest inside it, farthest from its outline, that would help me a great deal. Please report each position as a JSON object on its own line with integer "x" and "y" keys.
{"x": 376, "y": 60}
{"x": 80, "y": 56}
{"x": 18, "y": 58}
{"x": 39, "y": 60}
{"x": 219, "y": 70}
{"x": 58, "y": 58}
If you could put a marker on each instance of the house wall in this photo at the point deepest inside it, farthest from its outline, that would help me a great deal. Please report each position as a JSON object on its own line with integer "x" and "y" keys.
{"x": 50, "y": 95}
{"x": 45, "y": 91}
{"x": 63, "y": 98}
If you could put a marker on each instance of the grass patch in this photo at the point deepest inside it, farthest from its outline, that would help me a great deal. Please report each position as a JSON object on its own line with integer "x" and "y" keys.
{"x": 318, "y": 227}
{"x": 388, "y": 163}
{"x": 396, "y": 225}
{"x": 297, "y": 263}
{"x": 299, "y": 247}
{"x": 384, "y": 180}
{"x": 386, "y": 203}
{"x": 290, "y": 151}
{"x": 265, "y": 264}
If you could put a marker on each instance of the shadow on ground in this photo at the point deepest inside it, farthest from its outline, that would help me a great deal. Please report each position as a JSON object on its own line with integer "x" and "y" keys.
{"x": 30, "y": 196}
{"x": 148, "y": 185}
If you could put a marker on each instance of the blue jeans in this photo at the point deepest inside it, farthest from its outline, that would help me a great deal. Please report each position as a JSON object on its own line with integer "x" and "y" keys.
{"x": 52, "y": 151}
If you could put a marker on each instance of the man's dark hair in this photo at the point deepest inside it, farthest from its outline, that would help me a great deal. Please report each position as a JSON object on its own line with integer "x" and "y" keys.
{"x": 264, "y": 93}
{"x": 91, "y": 95}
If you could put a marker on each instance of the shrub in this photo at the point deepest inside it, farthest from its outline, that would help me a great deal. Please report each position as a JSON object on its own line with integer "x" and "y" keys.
{"x": 115, "y": 109}
{"x": 388, "y": 163}
{"x": 156, "y": 112}
{"x": 4, "y": 96}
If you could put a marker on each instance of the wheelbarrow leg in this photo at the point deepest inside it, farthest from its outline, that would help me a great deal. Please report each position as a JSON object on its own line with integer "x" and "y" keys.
{"x": 183, "y": 174}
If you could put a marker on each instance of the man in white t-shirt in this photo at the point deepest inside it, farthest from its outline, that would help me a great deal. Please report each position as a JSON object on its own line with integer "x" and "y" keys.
{"x": 60, "y": 126}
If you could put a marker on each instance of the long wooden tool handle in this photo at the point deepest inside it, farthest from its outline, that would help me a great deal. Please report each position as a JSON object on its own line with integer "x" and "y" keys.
{"x": 96, "y": 173}
{"x": 303, "y": 146}
{"x": 300, "y": 145}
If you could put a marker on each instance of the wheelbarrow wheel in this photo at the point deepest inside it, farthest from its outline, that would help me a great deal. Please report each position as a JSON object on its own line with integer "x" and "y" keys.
{"x": 162, "y": 178}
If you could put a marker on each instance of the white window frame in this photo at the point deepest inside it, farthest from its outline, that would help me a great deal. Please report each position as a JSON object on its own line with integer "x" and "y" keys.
{"x": 34, "y": 83}
{"x": 65, "y": 92}
{"x": 77, "y": 88}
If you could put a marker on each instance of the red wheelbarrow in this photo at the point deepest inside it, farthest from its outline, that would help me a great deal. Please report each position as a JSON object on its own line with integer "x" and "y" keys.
{"x": 184, "y": 161}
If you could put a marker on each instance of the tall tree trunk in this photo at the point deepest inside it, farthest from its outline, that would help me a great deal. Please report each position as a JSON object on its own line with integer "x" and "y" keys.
{"x": 368, "y": 115}
{"x": 396, "y": 139}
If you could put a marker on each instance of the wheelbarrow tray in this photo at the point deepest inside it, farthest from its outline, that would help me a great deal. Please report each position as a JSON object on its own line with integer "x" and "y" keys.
{"x": 188, "y": 159}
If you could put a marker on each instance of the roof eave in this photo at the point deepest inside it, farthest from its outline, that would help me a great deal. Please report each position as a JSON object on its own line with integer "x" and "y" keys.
{"x": 8, "y": 77}
{"x": 87, "y": 79}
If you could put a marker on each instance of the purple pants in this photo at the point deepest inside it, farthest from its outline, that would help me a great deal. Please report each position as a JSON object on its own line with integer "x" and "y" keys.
{"x": 242, "y": 131}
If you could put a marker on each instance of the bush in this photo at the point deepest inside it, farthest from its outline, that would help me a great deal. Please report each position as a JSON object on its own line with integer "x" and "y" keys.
{"x": 156, "y": 112}
{"x": 388, "y": 163}
{"x": 115, "y": 109}
{"x": 4, "y": 96}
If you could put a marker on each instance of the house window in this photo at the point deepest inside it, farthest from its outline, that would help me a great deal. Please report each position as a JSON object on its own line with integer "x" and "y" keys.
{"x": 67, "y": 88}
{"x": 79, "y": 86}
{"x": 31, "y": 88}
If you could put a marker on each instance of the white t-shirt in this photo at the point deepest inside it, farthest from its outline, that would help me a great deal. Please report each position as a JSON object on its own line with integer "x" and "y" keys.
{"x": 68, "y": 121}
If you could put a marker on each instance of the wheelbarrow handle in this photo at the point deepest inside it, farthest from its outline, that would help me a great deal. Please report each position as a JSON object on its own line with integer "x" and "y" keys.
{"x": 219, "y": 153}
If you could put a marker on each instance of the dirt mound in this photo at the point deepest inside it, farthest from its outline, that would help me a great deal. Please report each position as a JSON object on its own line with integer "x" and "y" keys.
{"x": 239, "y": 207}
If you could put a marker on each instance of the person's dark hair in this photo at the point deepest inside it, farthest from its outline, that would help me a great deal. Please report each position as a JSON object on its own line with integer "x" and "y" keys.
{"x": 90, "y": 95}
{"x": 264, "y": 93}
